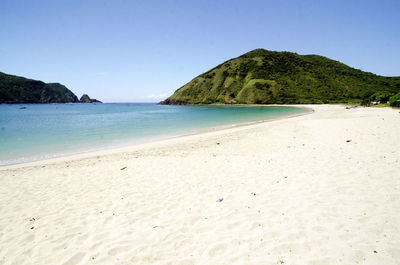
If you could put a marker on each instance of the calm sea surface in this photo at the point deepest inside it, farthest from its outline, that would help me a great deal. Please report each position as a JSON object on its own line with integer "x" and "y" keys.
{"x": 44, "y": 131}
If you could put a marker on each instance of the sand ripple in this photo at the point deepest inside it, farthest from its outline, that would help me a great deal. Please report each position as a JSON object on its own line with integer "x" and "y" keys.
{"x": 294, "y": 191}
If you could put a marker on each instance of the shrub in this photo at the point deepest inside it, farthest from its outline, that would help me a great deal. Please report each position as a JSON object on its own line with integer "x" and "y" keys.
{"x": 395, "y": 100}
{"x": 366, "y": 102}
{"x": 382, "y": 96}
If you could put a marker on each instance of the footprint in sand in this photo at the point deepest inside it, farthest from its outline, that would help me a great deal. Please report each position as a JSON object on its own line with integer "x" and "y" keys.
{"x": 395, "y": 253}
{"x": 75, "y": 259}
{"x": 118, "y": 250}
{"x": 30, "y": 238}
{"x": 217, "y": 249}
{"x": 82, "y": 238}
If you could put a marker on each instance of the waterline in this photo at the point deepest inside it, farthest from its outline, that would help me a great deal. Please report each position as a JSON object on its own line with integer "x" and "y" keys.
{"x": 43, "y": 131}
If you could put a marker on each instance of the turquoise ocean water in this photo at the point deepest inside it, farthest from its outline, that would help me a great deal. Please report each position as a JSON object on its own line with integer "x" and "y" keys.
{"x": 43, "y": 131}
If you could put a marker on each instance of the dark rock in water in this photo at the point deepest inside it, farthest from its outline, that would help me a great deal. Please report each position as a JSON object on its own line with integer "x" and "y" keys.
{"x": 86, "y": 99}
{"x": 22, "y": 107}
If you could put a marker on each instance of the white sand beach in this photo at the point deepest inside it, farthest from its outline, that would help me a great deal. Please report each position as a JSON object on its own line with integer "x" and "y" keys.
{"x": 322, "y": 188}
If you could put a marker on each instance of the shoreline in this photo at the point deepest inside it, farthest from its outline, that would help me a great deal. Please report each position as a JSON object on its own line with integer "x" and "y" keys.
{"x": 121, "y": 147}
{"x": 313, "y": 189}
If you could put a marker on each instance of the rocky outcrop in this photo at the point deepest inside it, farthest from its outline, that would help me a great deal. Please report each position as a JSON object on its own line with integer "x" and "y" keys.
{"x": 86, "y": 99}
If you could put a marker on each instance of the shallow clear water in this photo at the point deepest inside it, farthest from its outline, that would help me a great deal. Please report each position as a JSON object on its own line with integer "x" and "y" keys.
{"x": 48, "y": 130}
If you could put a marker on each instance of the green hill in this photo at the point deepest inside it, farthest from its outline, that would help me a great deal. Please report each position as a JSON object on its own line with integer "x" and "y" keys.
{"x": 16, "y": 89}
{"x": 268, "y": 77}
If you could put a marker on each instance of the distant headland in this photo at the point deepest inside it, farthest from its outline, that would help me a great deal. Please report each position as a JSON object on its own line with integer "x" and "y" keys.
{"x": 16, "y": 89}
{"x": 269, "y": 77}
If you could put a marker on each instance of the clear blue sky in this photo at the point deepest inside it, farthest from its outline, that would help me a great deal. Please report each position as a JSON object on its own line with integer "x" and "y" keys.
{"x": 131, "y": 51}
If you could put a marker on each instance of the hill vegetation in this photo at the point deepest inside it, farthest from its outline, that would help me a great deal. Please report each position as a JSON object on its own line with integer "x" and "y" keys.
{"x": 268, "y": 77}
{"x": 16, "y": 89}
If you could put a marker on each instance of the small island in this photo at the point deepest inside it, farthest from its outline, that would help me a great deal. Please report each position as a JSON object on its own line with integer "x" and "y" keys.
{"x": 86, "y": 99}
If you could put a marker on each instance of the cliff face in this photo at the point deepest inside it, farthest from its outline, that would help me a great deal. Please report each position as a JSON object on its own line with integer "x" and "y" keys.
{"x": 16, "y": 89}
{"x": 268, "y": 77}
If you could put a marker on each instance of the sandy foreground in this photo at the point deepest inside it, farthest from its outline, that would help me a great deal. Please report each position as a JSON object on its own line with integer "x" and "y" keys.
{"x": 322, "y": 188}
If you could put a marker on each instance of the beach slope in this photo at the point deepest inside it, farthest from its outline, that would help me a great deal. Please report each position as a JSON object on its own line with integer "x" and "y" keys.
{"x": 322, "y": 188}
